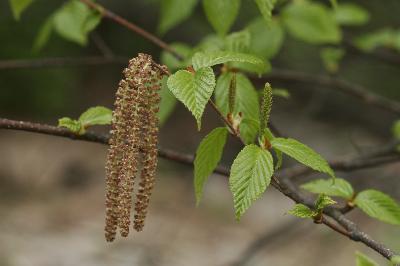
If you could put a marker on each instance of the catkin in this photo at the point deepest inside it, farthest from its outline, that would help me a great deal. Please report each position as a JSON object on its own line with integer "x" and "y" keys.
{"x": 133, "y": 141}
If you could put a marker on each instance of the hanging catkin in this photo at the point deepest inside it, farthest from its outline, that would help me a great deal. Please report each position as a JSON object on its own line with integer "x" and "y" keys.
{"x": 133, "y": 140}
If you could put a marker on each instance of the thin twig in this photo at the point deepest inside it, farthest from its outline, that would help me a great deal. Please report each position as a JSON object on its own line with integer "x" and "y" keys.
{"x": 131, "y": 26}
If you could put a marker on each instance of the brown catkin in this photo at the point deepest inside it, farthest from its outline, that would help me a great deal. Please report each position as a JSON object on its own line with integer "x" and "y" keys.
{"x": 133, "y": 140}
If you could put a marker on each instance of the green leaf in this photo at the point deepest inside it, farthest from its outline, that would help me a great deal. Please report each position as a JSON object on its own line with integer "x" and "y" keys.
{"x": 98, "y": 115}
{"x": 251, "y": 173}
{"x": 172, "y": 62}
{"x": 323, "y": 201}
{"x": 208, "y": 155}
{"x": 174, "y": 12}
{"x": 379, "y": 205}
{"x": 44, "y": 34}
{"x": 266, "y": 7}
{"x": 302, "y": 211}
{"x": 200, "y": 59}
{"x": 19, "y": 6}
{"x": 395, "y": 260}
{"x": 167, "y": 103}
{"x": 211, "y": 43}
{"x": 396, "y": 129}
{"x": 363, "y": 260}
{"x": 266, "y": 39}
{"x": 331, "y": 58}
{"x": 351, "y": 15}
{"x": 249, "y": 129}
{"x": 246, "y": 102}
{"x": 341, "y": 188}
{"x": 221, "y": 14}
{"x": 193, "y": 89}
{"x": 384, "y": 37}
{"x": 74, "y": 20}
{"x": 303, "y": 154}
{"x": 73, "y": 125}
{"x": 311, "y": 22}
{"x": 238, "y": 41}
{"x": 283, "y": 93}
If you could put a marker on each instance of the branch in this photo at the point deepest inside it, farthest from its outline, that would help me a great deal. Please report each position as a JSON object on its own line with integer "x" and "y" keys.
{"x": 283, "y": 184}
{"x": 131, "y": 26}
{"x": 354, "y": 90}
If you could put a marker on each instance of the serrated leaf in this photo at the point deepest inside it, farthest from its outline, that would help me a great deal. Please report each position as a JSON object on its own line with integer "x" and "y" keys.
{"x": 341, "y": 188}
{"x": 167, "y": 103}
{"x": 246, "y": 102}
{"x": 311, "y": 22}
{"x": 323, "y": 201}
{"x": 266, "y": 39}
{"x": 74, "y": 20}
{"x": 193, "y": 89}
{"x": 363, "y": 260}
{"x": 172, "y": 62}
{"x": 302, "y": 154}
{"x": 221, "y": 14}
{"x": 19, "y": 6}
{"x": 208, "y": 59}
{"x": 302, "y": 211}
{"x": 331, "y": 58}
{"x": 379, "y": 205}
{"x": 251, "y": 173}
{"x": 238, "y": 41}
{"x": 266, "y": 7}
{"x": 351, "y": 14}
{"x": 174, "y": 12}
{"x": 98, "y": 115}
{"x": 208, "y": 155}
{"x": 73, "y": 125}
{"x": 43, "y": 35}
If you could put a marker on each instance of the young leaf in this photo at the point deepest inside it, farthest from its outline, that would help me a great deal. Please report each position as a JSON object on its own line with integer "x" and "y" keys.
{"x": 331, "y": 58}
{"x": 167, "y": 103}
{"x": 383, "y": 37}
{"x": 174, "y": 12}
{"x": 363, "y": 260}
{"x": 323, "y": 201}
{"x": 44, "y": 34}
{"x": 266, "y": 7}
{"x": 303, "y": 154}
{"x": 73, "y": 125}
{"x": 396, "y": 129}
{"x": 98, "y": 115}
{"x": 311, "y": 22}
{"x": 75, "y": 20}
{"x": 193, "y": 89}
{"x": 379, "y": 205}
{"x": 266, "y": 39}
{"x": 283, "y": 93}
{"x": 341, "y": 188}
{"x": 246, "y": 102}
{"x": 208, "y": 155}
{"x": 19, "y": 6}
{"x": 302, "y": 211}
{"x": 251, "y": 173}
{"x": 351, "y": 15}
{"x": 266, "y": 105}
{"x": 200, "y": 59}
{"x": 221, "y": 14}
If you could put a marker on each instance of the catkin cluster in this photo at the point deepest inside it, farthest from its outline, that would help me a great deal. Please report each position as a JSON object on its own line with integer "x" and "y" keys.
{"x": 133, "y": 146}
